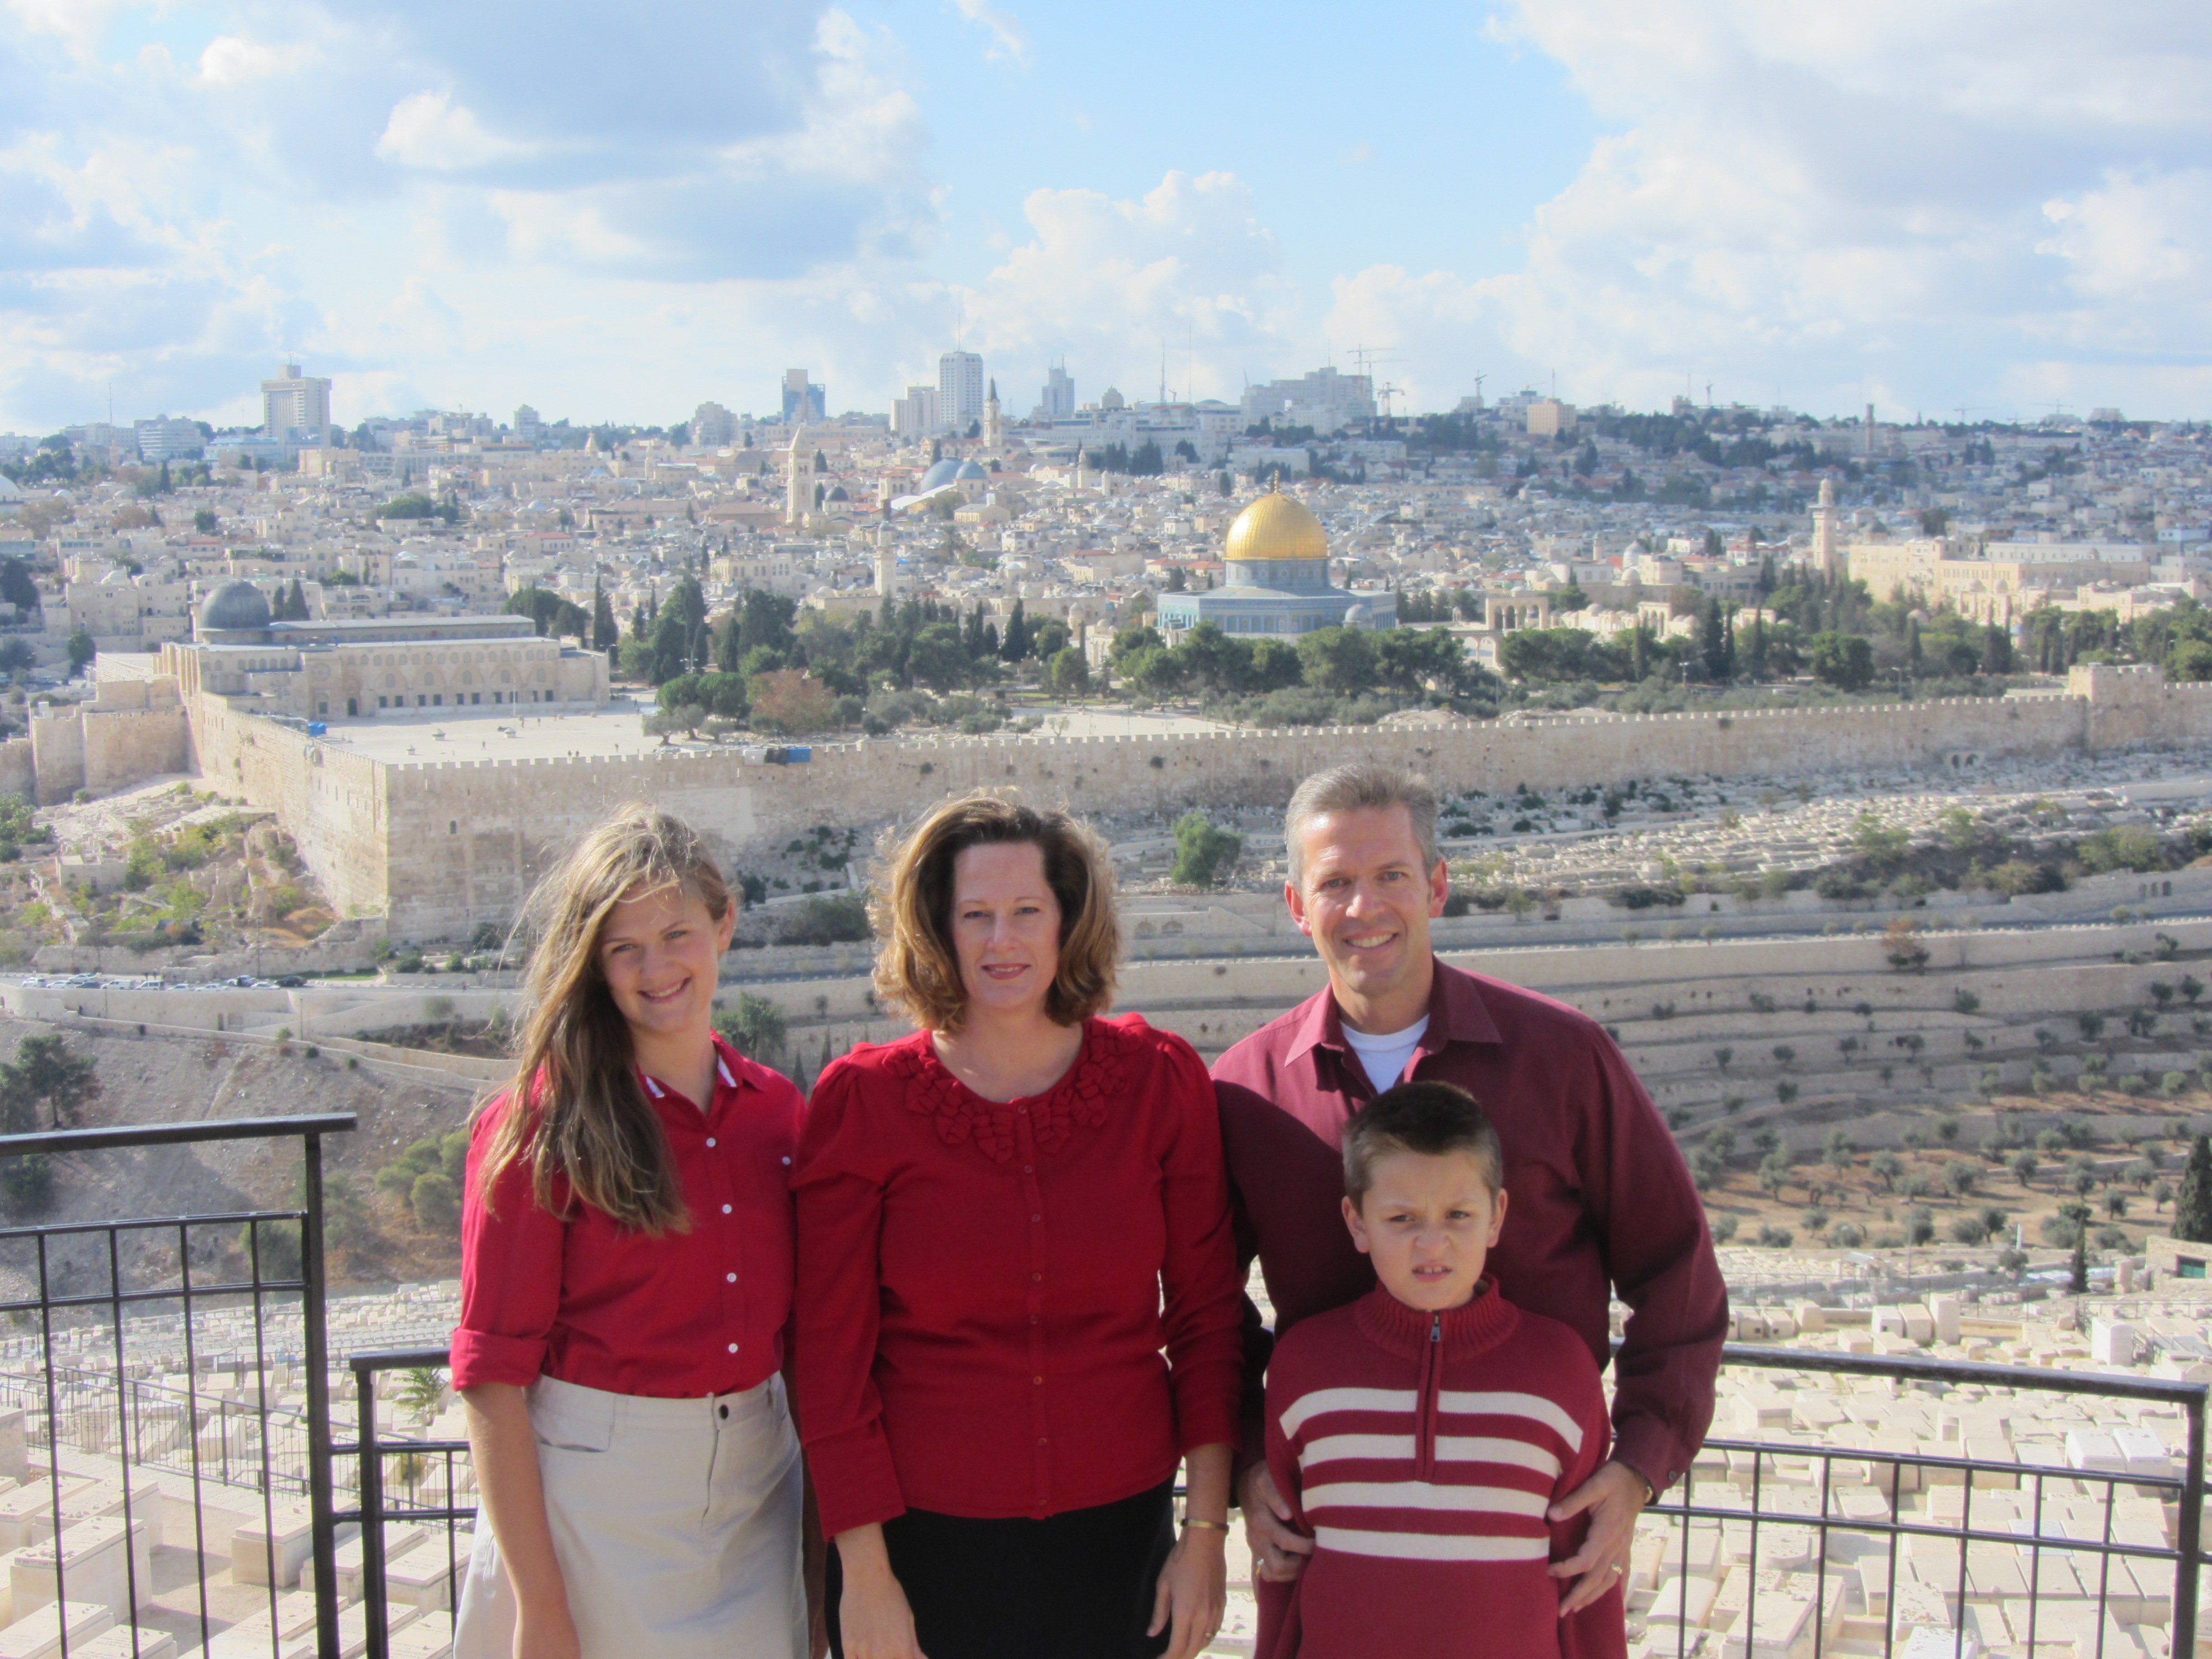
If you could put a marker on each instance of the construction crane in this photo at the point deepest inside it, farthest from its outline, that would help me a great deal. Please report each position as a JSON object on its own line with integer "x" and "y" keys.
{"x": 1479, "y": 380}
{"x": 1385, "y": 393}
{"x": 1364, "y": 358}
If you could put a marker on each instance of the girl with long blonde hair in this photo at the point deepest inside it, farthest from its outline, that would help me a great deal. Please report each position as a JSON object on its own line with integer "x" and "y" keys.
{"x": 626, "y": 1280}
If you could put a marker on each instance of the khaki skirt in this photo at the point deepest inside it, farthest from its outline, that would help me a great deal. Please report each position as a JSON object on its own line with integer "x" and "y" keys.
{"x": 675, "y": 1523}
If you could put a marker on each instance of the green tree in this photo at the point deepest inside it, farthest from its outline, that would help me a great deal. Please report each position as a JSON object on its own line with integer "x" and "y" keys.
{"x": 82, "y": 651}
{"x": 2192, "y": 1205}
{"x": 45, "y": 1073}
{"x": 1068, "y": 674}
{"x": 605, "y": 635}
{"x": 755, "y": 1028}
{"x": 1843, "y": 660}
{"x": 1341, "y": 660}
{"x": 1014, "y": 645}
{"x": 1205, "y": 854}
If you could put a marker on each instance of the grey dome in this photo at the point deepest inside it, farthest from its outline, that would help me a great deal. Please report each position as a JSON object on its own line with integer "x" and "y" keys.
{"x": 235, "y": 607}
{"x": 940, "y": 473}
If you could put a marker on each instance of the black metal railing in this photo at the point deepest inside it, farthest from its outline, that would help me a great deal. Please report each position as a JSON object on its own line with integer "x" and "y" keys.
{"x": 91, "y": 1308}
{"x": 1811, "y": 1510}
{"x": 373, "y": 1452}
{"x": 1796, "y": 1503}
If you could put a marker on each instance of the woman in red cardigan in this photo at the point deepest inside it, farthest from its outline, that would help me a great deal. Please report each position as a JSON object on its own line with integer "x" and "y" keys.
{"x": 1003, "y": 1221}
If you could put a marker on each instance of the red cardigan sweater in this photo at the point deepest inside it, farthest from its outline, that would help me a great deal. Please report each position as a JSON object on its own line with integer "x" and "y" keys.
{"x": 985, "y": 1287}
{"x": 1421, "y": 1450}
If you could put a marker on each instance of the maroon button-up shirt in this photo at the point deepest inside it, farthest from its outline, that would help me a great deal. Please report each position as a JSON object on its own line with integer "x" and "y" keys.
{"x": 1601, "y": 1202}
{"x": 684, "y": 1316}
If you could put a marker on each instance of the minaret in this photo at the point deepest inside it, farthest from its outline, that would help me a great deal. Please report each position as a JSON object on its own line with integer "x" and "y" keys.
{"x": 1082, "y": 483}
{"x": 994, "y": 436}
{"x": 886, "y": 563}
{"x": 799, "y": 482}
{"x": 1823, "y": 532}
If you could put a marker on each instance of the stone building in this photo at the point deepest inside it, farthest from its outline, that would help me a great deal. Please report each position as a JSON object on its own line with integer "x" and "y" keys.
{"x": 1276, "y": 580}
{"x": 348, "y": 669}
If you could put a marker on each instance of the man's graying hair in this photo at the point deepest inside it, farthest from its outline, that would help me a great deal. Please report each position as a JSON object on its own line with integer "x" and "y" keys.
{"x": 1362, "y": 786}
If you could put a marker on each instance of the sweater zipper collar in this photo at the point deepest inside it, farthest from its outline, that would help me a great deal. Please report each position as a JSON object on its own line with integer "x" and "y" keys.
{"x": 1428, "y": 1406}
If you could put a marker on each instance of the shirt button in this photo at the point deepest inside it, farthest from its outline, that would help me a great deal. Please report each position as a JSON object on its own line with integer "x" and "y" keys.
{"x": 733, "y": 1347}
{"x": 1036, "y": 1218}
{"x": 786, "y": 1161}
{"x": 1028, "y": 1170}
{"x": 710, "y": 1140}
{"x": 726, "y": 1209}
{"x": 1040, "y": 1381}
{"x": 1024, "y": 1111}
{"x": 733, "y": 1278}
{"x": 1032, "y": 1319}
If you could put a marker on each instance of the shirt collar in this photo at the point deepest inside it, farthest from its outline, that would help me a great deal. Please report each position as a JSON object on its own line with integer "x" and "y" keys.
{"x": 732, "y": 1077}
{"x": 1457, "y": 1014}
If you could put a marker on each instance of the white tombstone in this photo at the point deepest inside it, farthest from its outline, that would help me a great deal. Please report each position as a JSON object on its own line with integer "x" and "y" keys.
{"x": 2112, "y": 1341}
{"x": 1811, "y": 1318}
{"x": 14, "y": 1458}
{"x": 287, "y": 1535}
{"x": 39, "y": 1635}
{"x": 2092, "y": 1448}
{"x": 1944, "y": 1311}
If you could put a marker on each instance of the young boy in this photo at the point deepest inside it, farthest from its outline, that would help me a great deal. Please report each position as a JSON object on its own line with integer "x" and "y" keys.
{"x": 1421, "y": 1433}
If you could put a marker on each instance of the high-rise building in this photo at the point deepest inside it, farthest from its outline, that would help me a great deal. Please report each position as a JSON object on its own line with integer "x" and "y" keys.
{"x": 804, "y": 399}
{"x": 166, "y": 439}
{"x": 1059, "y": 402}
{"x": 528, "y": 426}
{"x": 960, "y": 389}
{"x": 713, "y": 426}
{"x": 916, "y": 414}
{"x": 1324, "y": 399}
{"x": 296, "y": 407}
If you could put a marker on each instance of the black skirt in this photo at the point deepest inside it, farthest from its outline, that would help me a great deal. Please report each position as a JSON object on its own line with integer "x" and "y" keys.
{"x": 1073, "y": 1586}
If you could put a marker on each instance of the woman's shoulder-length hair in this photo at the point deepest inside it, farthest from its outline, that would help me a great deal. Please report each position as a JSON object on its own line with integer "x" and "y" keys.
{"x": 915, "y": 967}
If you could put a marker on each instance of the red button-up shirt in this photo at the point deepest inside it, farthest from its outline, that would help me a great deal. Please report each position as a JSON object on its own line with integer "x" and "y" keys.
{"x": 684, "y": 1316}
{"x": 1601, "y": 1200}
{"x": 985, "y": 1287}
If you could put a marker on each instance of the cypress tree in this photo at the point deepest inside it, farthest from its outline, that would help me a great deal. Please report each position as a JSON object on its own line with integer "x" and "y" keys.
{"x": 2192, "y": 1207}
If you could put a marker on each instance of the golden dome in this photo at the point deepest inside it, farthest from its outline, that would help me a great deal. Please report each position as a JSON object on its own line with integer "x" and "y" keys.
{"x": 1276, "y": 526}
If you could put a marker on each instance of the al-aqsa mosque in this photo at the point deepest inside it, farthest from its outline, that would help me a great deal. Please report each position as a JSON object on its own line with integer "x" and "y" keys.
{"x": 1277, "y": 556}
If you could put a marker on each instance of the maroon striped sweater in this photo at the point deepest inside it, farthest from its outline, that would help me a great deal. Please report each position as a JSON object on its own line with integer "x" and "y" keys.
{"x": 1421, "y": 1451}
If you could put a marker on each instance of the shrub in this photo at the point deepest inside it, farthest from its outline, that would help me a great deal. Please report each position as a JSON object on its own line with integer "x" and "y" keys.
{"x": 2135, "y": 1083}
{"x": 436, "y": 1199}
{"x": 1845, "y": 1236}
{"x": 1775, "y": 1238}
{"x": 1785, "y": 1092}
{"x": 1723, "y": 1228}
{"x": 1965, "y": 1002}
{"x": 833, "y": 919}
{"x": 2172, "y": 1083}
{"x": 755, "y": 1028}
{"x": 1920, "y": 1226}
{"x": 2112, "y": 1238}
{"x": 1967, "y": 1230}
{"x": 1205, "y": 854}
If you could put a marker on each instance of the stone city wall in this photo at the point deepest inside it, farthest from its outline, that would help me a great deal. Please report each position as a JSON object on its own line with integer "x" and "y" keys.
{"x": 442, "y": 846}
{"x": 132, "y": 730}
{"x": 330, "y": 800}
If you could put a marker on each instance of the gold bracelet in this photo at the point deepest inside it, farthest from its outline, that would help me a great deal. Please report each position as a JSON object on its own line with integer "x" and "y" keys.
{"x": 1190, "y": 1525}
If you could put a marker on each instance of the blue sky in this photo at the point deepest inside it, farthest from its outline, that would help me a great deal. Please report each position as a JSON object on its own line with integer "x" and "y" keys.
{"x": 1993, "y": 205}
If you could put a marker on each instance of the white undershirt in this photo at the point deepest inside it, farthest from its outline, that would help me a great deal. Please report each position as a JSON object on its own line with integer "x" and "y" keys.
{"x": 1384, "y": 1057}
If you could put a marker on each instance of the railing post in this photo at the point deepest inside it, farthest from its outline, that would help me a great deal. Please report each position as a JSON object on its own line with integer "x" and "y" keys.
{"x": 320, "y": 1502}
{"x": 2188, "y": 1534}
{"x": 371, "y": 1517}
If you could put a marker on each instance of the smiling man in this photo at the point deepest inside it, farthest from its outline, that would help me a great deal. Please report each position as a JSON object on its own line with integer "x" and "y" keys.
{"x": 1601, "y": 1202}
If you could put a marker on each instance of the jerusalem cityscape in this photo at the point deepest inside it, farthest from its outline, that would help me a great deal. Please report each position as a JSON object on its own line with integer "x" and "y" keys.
{"x": 1789, "y": 570}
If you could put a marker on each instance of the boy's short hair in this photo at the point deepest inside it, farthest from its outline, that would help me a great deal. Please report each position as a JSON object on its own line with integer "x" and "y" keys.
{"x": 1432, "y": 1119}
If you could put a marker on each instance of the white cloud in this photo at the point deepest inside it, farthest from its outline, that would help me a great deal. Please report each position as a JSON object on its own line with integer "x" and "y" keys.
{"x": 428, "y": 129}
{"x": 1927, "y": 198}
{"x": 1106, "y": 281}
{"x": 1013, "y": 40}
{"x": 232, "y": 60}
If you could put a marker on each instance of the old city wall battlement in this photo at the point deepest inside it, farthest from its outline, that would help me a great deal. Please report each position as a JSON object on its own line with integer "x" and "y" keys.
{"x": 440, "y": 845}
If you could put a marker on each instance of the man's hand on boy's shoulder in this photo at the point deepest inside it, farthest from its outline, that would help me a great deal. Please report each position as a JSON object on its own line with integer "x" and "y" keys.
{"x": 1614, "y": 1497}
{"x": 1278, "y": 1549}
